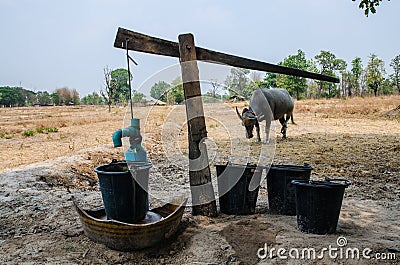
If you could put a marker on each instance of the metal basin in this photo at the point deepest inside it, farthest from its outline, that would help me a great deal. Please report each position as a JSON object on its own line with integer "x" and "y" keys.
{"x": 159, "y": 224}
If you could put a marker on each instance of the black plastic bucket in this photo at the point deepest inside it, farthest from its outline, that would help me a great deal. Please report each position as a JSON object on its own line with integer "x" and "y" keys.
{"x": 281, "y": 192}
{"x": 125, "y": 197}
{"x": 318, "y": 204}
{"x": 238, "y": 188}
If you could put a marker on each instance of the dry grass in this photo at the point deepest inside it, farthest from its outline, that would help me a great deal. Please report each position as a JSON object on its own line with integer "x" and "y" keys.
{"x": 81, "y": 127}
{"x": 78, "y": 128}
{"x": 368, "y": 107}
{"x": 16, "y": 120}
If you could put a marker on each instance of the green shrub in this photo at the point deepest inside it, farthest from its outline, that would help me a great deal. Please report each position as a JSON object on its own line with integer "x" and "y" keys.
{"x": 46, "y": 130}
{"x": 51, "y": 130}
{"x": 6, "y": 136}
{"x": 28, "y": 133}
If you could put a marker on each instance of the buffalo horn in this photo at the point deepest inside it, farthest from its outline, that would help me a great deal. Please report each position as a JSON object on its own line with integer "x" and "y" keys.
{"x": 240, "y": 116}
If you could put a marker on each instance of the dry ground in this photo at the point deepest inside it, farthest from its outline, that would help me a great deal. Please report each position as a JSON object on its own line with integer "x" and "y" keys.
{"x": 358, "y": 139}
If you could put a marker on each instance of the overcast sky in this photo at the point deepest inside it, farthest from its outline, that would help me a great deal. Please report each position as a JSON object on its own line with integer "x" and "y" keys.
{"x": 47, "y": 44}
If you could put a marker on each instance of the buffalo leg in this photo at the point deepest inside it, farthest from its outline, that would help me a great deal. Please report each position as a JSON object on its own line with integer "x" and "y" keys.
{"x": 283, "y": 121}
{"x": 267, "y": 128}
{"x": 258, "y": 132}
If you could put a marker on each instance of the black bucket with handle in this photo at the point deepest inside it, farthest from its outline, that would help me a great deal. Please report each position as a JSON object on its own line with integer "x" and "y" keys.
{"x": 318, "y": 204}
{"x": 238, "y": 187}
{"x": 281, "y": 192}
{"x": 124, "y": 195}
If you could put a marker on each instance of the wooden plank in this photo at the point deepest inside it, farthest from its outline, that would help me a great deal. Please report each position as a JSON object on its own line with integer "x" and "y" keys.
{"x": 144, "y": 43}
{"x": 203, "y": 199}
{"x": 236, "y": 61}
{"x": 147, "y": 44}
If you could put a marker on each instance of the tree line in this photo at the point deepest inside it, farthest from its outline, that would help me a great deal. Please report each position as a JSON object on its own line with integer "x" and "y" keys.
{"x": 355, "y": 78}
{"x": 19, "y": 97}
{"x": 115, "y": 91}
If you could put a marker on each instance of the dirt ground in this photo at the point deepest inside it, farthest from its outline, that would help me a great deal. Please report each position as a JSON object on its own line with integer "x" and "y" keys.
{"x": 357, "y": 139}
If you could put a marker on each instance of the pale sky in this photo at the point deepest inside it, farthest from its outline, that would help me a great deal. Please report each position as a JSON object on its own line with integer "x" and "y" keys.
{"x": 47, "y": 44}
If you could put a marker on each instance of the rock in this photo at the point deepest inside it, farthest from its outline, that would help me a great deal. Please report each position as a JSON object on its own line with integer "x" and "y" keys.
{"x": 224, "y": 247}
{"x": 37, "y": 208}
{"x": 393, "y": 250}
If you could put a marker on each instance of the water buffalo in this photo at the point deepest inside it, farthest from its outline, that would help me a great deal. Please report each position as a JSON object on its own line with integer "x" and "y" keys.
{"x": 268, "y": 105}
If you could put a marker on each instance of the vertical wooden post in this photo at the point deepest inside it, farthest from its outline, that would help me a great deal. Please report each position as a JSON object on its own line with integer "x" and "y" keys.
{"x": 203, "y": 199}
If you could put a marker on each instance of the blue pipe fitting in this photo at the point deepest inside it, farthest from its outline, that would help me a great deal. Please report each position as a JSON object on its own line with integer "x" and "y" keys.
{"x": 135, "y": 152}
{"x": 117, "y": 138}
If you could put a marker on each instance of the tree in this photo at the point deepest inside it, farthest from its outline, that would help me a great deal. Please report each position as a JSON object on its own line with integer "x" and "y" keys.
{"x": 354, "y": 76}
{"x": 159, "y": 90}
{"x": 395, "y": 64}
{"x": 67, "y": 96}
{"x": 16, "y": 96}
{"x": 97, "y": 99}
{"x": 55, "y": 98}
{"x": 64, "y": 96}
{"x": 369, "y": 6}
{"x": 120, "y": 78}
{"x": 295, "y": 85}
{"x": 43, "y": 97}
{"x": 255, "y": 76}
{"x": 9, "y": 96}
{"x": 87, "y": 100}
{"x": 75, "y": 97}
{"x": 329, "y": 64}
{"x": 375, "y": 73}
{"x": 138, "y": 97}
{"x": 110, "y": 88}
{"x": 177, "y": 95}
{"x": 237, "y": 81}
{"x": 387, "y": 87}
{"x": 215, "y": 87}
{"x": 92, "y": 99}
{"x": 248, "y": 91}
{"x": 25, "y": 97}
{"x": 312, "y": 85}
{"x": 269, "y": 80}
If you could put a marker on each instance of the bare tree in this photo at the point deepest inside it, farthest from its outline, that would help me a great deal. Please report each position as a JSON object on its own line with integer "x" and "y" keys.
{"x": 215, "y": 87}
{"x": 64, "y": 95}
{"x": 75, "y": 96}
{"x": 255, "y": 76}
{"x": 109, "y": 90}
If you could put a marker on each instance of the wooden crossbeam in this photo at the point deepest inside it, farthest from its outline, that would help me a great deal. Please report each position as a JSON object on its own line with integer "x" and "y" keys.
{"x": 147, "y": 44}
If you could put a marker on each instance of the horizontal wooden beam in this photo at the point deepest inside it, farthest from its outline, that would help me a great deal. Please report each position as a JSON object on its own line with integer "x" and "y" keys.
{"x": 147, "y": 44}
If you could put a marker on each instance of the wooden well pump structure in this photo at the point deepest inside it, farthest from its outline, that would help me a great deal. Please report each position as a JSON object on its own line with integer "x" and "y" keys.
{"x": 203, "y": 199}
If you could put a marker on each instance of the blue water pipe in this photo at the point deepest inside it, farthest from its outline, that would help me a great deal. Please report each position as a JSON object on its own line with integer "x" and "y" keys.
{"x": 135, "y": 152}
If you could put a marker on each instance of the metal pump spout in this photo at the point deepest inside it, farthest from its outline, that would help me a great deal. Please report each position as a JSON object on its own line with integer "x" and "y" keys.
{"x": 135, "y": 152}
